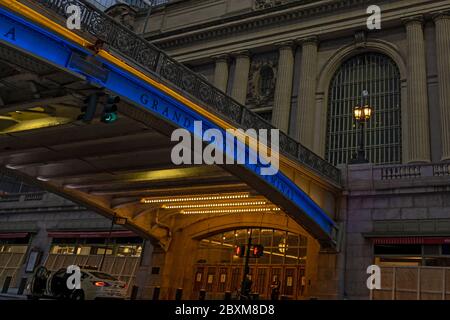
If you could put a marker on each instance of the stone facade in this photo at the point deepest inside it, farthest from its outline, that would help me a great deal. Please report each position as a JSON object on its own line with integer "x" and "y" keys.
{"x": 377, "y": 204}
{"x": 196, "y": 32}
{"x": 304, "y": 44}
{"x": 312, "y": 41}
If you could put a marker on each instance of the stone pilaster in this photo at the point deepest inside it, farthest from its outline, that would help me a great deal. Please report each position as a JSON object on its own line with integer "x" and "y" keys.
{"x": 418, "y": 116}
{"x": 283, "y": 88}
{"x": 240, "y": 81}
{"x": 442, "y": 21}
{"x": 221, "y": 72}
{"x": 306, "y": 103}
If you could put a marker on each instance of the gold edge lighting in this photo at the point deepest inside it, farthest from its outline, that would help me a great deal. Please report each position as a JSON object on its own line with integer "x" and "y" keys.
{"x": 196, "y": 198}
{"x": 209, "y": 205}
{"x": 244, "y": 210}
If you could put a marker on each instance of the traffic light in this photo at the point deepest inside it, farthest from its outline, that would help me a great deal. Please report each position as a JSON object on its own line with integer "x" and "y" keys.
{"x": 89, "y": 108}
{"x": 239, "y": 251}
{"x": 110, "y": 111}
{"x": 257, "y": 251}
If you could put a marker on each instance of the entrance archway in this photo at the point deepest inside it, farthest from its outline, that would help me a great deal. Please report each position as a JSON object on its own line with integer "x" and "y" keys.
{"x": 219, "y": 269}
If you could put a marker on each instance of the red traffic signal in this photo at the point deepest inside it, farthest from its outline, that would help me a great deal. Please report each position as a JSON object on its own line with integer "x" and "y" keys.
{"x": 257, "y": 251}
{"x": 239, "y": 251}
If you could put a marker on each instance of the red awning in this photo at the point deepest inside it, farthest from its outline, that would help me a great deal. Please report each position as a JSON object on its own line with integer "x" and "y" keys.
{"x": 411, "y": 240}
{"x": 91, "y": 234}
{"x": 14, "y": 235}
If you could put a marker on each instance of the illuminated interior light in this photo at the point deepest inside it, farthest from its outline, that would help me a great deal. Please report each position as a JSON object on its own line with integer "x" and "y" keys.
{"x": 208, "y": 205}
{"x": 196, "y": 198}
{"x": 266, "y": 209}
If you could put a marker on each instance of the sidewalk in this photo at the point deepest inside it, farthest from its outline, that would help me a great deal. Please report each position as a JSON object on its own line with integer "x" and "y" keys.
{"x": 12, "y": 295}
{"x": 7, "y": 296}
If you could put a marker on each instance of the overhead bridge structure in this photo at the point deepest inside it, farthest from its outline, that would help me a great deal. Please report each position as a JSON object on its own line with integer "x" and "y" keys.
{"x": 124, "y": 169}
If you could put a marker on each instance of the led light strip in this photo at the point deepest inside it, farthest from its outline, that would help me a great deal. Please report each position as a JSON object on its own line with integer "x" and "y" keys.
{"x": 196, "y": 198}
{"x": 230, "y": 210}
{"x": 208, "y": 205}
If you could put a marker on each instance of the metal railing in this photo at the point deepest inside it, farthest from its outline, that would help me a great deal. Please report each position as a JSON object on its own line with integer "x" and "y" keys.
{"x": 36, "y": 196}
{"x": 16, "y": 197}
{"x": 136, "y": 49}
{"x": 10, "y": 198}
{"x": 414, "y": 171}
{"x": 413, "y": 283}
{"x": 264, "y": 4}
{"x": 139, "y": 4}
{"x": 441, "y": 169}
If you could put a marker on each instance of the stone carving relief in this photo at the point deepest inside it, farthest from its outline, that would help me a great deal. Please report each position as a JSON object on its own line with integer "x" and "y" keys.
{"x": 263, "y": 4}
{"x": 124, "y": 14}
{"x": 262, "y": 79}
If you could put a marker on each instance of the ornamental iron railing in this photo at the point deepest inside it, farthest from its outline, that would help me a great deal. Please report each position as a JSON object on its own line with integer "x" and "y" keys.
{"x": 139, "y": 4}
{"x": 413, "y": 171}
{"x": 136, "y": 49}
{"x": 264, "y": 4}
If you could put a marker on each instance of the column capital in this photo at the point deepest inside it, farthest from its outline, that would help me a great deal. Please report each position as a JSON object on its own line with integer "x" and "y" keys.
{"x": 289, "y": 44}
{"x": 221, "y": 57}
{"x": 241, "y": 54}
{"x": 418, "y": 19}
{"x": 440, "y": 15}
{"x": 308, "y": 40}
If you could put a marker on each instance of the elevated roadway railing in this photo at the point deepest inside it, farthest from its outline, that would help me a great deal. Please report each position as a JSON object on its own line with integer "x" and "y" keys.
{"x": 108, "y": 55}
{"x": 133, "y": 47}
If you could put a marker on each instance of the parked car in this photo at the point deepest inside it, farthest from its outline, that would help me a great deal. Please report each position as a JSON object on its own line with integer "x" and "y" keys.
{"x": 94, "y": 285}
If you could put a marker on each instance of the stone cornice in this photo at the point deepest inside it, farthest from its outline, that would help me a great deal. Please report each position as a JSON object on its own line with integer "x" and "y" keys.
{"x": 241, "y": 54}
{"x": 285, "y": 45}
{"x": 441, "y": 15}
{"x": 221, "y": 57}
{"x": 261, "y": 18}
{"x": 418, "y": 19}
{"x": 308, "y": 40}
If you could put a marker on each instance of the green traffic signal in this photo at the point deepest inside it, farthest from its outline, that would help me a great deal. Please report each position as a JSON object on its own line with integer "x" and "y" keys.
{"x": 110, "y": 111}
{"x": 109, "y": 117}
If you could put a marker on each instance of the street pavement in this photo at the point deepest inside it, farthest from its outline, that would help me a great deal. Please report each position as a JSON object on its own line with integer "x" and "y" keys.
{"x": 4, "y": 296}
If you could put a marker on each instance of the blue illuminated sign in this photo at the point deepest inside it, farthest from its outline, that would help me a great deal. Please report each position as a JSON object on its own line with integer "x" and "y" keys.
{"x": 39, "y": 42}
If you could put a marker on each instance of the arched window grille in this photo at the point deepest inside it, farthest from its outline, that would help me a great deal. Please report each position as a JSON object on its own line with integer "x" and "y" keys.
{"x": 380, "y": 76}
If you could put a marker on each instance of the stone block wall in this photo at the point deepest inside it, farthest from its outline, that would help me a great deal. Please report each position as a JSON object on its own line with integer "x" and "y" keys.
{"x": 402, "y": 206}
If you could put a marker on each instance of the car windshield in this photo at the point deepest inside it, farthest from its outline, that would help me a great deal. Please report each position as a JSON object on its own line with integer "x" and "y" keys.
{"x": 104, "y": 276}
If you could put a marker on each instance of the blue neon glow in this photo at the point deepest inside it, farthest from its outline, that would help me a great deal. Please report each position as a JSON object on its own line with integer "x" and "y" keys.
{"x": 41, "y": 43}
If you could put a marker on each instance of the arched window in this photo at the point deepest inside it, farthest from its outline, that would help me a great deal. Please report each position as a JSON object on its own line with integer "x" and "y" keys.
{"x": 280, "y": 247}
{"x": 265, "y": 80}
{"x": 380, "y": 76}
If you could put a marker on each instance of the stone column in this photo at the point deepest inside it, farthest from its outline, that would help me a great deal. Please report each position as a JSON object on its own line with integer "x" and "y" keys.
{"x": 442, "y": 22}
{"x": 240, "y": 81}
{"x": 306, "y": 102}
{"x": 221, "y": 72}
{"x": 283, "y": 88}
{"x": 418, "y": 117}
{"x": 143, "y": 272}
{"x": 39, "y": 241}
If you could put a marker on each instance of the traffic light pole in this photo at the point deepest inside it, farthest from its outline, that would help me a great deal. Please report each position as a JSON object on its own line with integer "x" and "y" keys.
{"x": 246, "y": 262}
{"x": 107, "y": 244}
